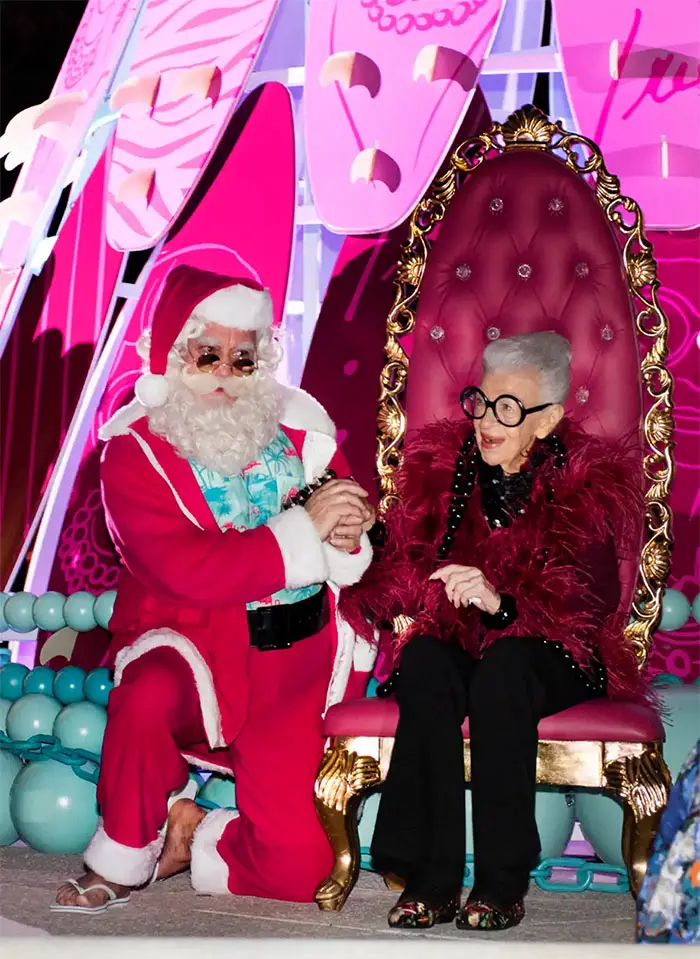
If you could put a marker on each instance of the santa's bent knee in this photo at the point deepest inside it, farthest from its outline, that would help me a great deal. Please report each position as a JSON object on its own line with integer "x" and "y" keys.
{"x": 151, "y": 691}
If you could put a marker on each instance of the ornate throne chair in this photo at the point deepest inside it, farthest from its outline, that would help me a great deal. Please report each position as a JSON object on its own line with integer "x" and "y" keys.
{"x": 526, "y": 230}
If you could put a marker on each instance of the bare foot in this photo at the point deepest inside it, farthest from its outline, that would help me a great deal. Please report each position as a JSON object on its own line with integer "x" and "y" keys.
{"x": 68, "y": 895}
{"x": 184, "y": 817}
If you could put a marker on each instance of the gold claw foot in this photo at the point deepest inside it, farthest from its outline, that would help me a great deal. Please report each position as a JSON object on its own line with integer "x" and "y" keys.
{"x": 342, "y": 779}
{"x": 643, "y": 784}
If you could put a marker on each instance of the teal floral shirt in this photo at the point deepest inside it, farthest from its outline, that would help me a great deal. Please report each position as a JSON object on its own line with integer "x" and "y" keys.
{"x": 256, "y": 494}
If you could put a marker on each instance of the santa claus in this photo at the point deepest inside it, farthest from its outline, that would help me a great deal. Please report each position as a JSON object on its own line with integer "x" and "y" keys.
{"x": 237, "y": 524}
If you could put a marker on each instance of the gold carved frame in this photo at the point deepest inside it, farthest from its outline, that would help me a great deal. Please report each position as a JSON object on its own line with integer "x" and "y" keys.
{"x": 635, "y": 772}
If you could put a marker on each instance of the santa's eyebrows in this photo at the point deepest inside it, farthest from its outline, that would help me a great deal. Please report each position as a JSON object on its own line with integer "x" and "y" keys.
{"x": 213, "y": 342}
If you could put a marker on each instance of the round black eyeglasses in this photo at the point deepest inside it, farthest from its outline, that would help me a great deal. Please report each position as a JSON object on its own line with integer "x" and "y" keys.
{"x": 507, "y": 409}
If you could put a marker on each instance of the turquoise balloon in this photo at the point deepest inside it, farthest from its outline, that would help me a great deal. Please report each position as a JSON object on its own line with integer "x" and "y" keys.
{"x": 48, "y": 611}
{"x": 68, "y": 685}
{"x": 104, "y": 607}
{"x": 372, "y": 687}
{"x": 97, "y": 686}
{"x": 4, "y": 710}
{"x": 81, "y": 726}
{"x": 219, "y": 790}
{"x": 32, "y": 715}
{"x": 675, "y": 611}
{"x": 696, "y": 609}
{"x": 3, "y": 622}
{"x": 39, "y": 680}
{"x": 11, "y": 680}
{"x": 599, "y": 814}
{"x": 52, "y": 809}
{"x": 5, "y": 656}
{"x": 19, "y": 612}
{"x": 9, "y": 767}
{"x": 79, "y": 612}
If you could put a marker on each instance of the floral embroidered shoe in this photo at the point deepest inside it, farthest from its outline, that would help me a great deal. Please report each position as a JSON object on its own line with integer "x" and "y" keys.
{"x": 412, "y": 913}
{"x": 478, "y": 914}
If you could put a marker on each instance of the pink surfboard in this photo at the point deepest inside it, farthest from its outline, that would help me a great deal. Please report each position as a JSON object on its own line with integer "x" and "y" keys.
{"x": 79, "y": 89}
{"x": 43, "y": 369}
{"x": 227, "y": 227}
{"x": 190, "y": 66}
{"x": 387, "y": 87}
{"x": 633, "y": 76}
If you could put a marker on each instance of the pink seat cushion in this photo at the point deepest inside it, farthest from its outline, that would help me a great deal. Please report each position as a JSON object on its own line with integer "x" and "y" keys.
{"x": 600, "y": 720}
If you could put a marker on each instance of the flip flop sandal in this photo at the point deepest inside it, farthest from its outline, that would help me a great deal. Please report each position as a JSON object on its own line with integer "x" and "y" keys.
{"x": 113, "y": 899}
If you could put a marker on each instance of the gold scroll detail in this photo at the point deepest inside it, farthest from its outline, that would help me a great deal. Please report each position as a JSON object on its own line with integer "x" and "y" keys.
{"x": 528, "y": 128}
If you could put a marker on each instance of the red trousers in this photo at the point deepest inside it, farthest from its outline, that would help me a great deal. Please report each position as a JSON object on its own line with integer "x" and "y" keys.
{"x": 273, "y": 846}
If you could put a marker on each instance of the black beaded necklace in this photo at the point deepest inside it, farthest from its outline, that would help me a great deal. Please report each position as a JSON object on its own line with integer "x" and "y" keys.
{"x": 503, "y": 496}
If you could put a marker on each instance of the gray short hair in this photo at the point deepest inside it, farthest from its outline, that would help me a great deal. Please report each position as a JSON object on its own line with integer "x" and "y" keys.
{"x": 548, "y": 353}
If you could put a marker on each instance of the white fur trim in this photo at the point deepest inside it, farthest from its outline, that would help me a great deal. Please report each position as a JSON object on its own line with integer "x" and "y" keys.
{"x": 208, "y": 870}
{"x": 123, "y": 865}
{"x": 118, "y": 424}
{"x": 304, "y": 558}
{"x": 303, "y": 412}
{"x": 200, "y": 763}
{"x": 364, "y": 655}
{"x": 237, "y": 307}
{"x": 346, "y": 569}
{"x": 151, "y": 390}
{"x": 168, "y": 638}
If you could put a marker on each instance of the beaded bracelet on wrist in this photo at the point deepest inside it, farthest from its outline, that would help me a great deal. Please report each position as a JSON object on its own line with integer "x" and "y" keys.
{"x": 506, "y": 614}
{"x": 302, "y": 496}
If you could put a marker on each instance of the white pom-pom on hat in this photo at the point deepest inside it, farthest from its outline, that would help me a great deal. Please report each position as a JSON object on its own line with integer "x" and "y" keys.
{"x": 151, "y": 390}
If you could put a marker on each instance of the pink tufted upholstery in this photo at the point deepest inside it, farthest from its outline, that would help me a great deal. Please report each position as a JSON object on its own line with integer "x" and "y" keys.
{"x": 546, "y": 218}
{"x": 597, "y": 721}
{"x": 526, "y": 246}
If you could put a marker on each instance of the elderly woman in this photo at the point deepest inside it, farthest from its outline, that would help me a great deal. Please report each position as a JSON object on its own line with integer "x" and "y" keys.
{"x": 504, "y": 551}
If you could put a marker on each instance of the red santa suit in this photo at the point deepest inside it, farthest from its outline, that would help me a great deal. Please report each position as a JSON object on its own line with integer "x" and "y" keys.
{"x": 189, "y": 688}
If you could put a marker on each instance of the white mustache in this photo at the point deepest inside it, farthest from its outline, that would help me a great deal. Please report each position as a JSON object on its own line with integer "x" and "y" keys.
{"x": 205, "y": 383}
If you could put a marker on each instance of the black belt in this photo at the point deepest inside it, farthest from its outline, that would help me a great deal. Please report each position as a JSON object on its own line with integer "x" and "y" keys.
{"x": 279, "y": 627}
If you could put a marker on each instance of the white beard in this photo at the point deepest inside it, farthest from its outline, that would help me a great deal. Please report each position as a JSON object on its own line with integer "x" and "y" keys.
{"x": 224, "y": 436}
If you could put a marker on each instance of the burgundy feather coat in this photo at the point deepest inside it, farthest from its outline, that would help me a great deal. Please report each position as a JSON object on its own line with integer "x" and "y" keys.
{"x": 559, "y": 560}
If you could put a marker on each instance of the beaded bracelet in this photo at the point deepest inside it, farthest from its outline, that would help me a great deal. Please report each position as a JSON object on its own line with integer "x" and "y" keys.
{"x": 302, "y": 496}
{"x": 507, "y": 614}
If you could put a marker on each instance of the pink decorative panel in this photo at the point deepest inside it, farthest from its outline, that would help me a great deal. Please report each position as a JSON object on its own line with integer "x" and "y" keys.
{"x": 239, "y": 220}
{"x": 633, "y": 76}
{"x": 190, "y": 65}
{"x": 43, "y": 369}
{"x": 387, "y": 85}
{"x": 678, "y": 256}
{"x": 64, "y": 120}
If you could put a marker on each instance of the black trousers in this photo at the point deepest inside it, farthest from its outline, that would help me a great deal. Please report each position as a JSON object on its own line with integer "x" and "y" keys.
{"x": 420, "y": 829}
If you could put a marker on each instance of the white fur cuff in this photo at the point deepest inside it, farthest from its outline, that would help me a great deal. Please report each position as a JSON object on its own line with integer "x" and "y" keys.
{"x": 305, "y": 562}
{"x": 209, "y": 872}
{"x": 123, "y": 865}
{"x": 346, "y": 569}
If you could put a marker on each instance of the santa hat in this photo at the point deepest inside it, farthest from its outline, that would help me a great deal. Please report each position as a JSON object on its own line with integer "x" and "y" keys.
{"x": 238, "y": 304}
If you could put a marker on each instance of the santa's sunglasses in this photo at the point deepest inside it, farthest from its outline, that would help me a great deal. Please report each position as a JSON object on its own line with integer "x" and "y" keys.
{"x": 242, "y": 362}
{"x": 507, "y": 409}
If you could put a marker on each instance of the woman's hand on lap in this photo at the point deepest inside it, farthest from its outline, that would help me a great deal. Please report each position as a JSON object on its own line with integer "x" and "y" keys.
{"x": 467, "y": 584}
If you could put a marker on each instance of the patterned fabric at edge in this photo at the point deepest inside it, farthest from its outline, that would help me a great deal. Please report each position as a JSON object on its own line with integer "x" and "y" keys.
{"x": 669, "y": 903}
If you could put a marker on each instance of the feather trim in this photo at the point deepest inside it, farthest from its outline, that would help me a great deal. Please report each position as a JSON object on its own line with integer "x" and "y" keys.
{"x": 537, "y": 559}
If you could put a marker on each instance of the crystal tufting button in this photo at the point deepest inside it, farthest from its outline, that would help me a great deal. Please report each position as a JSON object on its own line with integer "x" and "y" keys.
{"x": 582, "y": 394}
{"x": 556, "y": 205}
{"x": 524, "y": 271}
{"x": 496, "y": 205}
{"x": 463, "y": 271}
{"x": 582, "y": 270}
{"x": 493, "y": 333}
{"x": 607, "y": 333}
{"x": 437, "y": 333}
